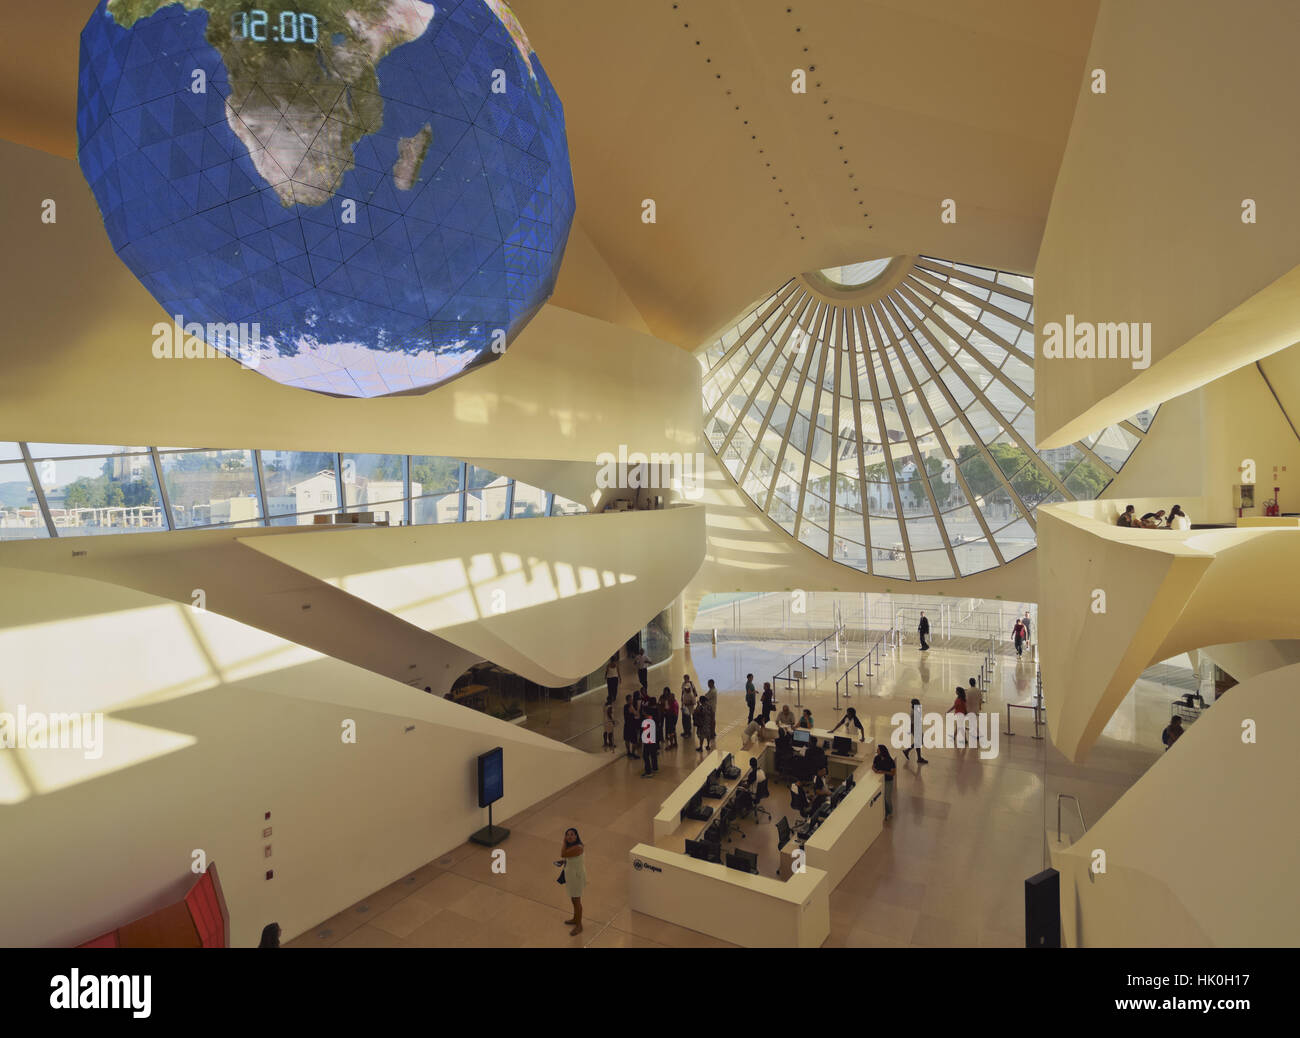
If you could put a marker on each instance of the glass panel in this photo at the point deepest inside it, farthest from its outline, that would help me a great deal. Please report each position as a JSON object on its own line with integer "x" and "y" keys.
{"x": 72, "y": 450}
{"x": 375, "y": 479}
{"x": 477, "y": 478}
{"x": 1014, "y": 539}
{"x": 488, "y": 502}
{"x": 118, "y": 494}
{"x": 10, "y": 452}
{"x": 814, "y": 536}
{"x": 850, "y": 552}
{"x": 932, "y": 565}
{"x": 1087, "y": 480}
{"x": 975, "y": 556}
{"x": 1114, "y": 446}
{"x": 563, "y": 506}
{"x": 923, "y": 534}
{"x": 530, "y": 502}
{"x": 211, "y": 488}
{"x": 1143, "y": 419}
{"x": 20, "y": 516}
{"x": 299, "y": 482}
{"x": 436, "y": 509}
{"x": 431, "y": 474}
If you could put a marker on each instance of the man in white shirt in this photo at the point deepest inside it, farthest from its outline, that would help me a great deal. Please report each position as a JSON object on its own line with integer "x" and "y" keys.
{"x": 643, "y": 668}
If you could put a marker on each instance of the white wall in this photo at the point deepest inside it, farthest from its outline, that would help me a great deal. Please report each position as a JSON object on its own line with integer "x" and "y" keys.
{"x": 1202, "y": 850}
{"x": 209, "y": 724}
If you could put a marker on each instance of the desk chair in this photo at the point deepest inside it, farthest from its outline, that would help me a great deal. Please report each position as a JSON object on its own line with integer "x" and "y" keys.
{"x": 740, "y": 806}
{"x": 782, "y": 836}
{"x": 799, "y": 801}
{"x": 760, "y": 795}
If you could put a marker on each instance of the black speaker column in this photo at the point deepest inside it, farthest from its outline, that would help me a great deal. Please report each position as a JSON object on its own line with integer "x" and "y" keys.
{"x": 1043, "y": 910}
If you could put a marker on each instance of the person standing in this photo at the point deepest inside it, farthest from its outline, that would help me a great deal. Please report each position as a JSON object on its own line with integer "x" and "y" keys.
{"x": 923, "y": 629}
{"x": 961, "y": 709}
{"x": 650, "y": 738}
{"x": 611, "y": 680}
{"x": 643, "y": 668}
{"x": 916, "y": 734}
{"x": 689, "y": 700}
{"x": 883, "y": 765}
{"x": 270, "y": 936}
{"x": 705, "y": 723}
{"x": 1029, "y": 637}
{"x": 850, "y": 718}
{"x": 974, "y": 698}
{"x": 573, "y": 875}
{"x": 1018, "y": 635}
{"x": 769, "y": 701}
{"x": 711, "y": 694}
{"x": 609, "y": 726}
{"x": 668, "y": 711}
{"x": 630, "y": 727}
{"x": 751, "y": 696}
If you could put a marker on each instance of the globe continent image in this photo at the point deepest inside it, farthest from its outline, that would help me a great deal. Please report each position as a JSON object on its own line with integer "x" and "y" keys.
{"x": 355, "y": 197}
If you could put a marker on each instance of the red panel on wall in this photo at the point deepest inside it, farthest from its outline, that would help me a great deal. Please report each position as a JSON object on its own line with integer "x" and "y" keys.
{"x": 201, "y": 920}
{"x": 204, "y": 903}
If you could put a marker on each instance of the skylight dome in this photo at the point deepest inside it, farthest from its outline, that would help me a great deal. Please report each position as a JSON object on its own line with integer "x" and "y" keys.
{"x": 894, "y": 432}
{"x": 856, "y": 275}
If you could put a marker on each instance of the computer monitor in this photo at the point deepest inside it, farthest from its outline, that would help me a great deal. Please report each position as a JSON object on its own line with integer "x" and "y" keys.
{"x": 714, "y": 775}
{"x": 743, "y": 861}
{"x": 842, "y": 746}
{"x": 705, "y": 850}
{"x": 802, "y": 737}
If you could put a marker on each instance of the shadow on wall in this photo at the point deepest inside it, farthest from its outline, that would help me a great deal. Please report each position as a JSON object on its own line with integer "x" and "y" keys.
{"x": 199, "y": 725}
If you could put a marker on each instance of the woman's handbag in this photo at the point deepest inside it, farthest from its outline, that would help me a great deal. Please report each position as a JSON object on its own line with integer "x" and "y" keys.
{"x": 560, "y": 878}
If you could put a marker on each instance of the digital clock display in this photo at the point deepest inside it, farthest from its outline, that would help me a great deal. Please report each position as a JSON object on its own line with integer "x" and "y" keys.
{"x": 258, "y": 26}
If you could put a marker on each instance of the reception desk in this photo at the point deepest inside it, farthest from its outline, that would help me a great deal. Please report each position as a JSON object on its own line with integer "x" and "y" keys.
{"x": 752, "y": 911}
{"x": 791, "y": 910}
{"x": 851, "y": 828}
{"x": 669, "y": 818}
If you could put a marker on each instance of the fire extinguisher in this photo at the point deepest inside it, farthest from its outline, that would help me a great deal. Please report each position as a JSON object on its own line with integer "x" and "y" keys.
{"x": 688, "y": 637}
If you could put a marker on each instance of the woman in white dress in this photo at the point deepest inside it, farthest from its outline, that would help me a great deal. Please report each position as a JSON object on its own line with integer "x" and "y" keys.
{"x": 575, "y": 876}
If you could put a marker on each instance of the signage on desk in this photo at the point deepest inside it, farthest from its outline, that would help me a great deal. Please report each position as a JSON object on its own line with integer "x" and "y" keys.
{"x": 875, "y": 798}
{"x": 638, "y": 864}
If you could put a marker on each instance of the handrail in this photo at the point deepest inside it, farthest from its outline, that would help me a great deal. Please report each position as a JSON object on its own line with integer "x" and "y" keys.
{"x": 1077, "y": 808}
{"x": 786, "y": 670}
{"x": 858, "y": 668}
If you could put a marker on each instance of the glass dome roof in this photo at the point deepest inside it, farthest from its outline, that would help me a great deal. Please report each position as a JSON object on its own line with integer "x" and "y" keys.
{"x": 856, "y": 275}
{"x": 893, "y": 431}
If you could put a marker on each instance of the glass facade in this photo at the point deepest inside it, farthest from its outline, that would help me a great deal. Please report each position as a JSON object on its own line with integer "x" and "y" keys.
{"x": 894, "y": 432}
{"x": 76, "y": 490}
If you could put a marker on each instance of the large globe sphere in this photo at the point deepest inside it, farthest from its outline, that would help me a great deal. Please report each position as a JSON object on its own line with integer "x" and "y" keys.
{"x": 358, "y": 197}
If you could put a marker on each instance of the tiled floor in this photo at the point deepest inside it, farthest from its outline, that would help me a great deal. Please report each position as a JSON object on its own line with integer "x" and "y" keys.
{"x": 948, "y": 871}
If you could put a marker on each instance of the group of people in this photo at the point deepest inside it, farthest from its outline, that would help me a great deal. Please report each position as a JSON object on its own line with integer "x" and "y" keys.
{"x": 1175, "y": 519}
{"x": 650, "y": 723}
